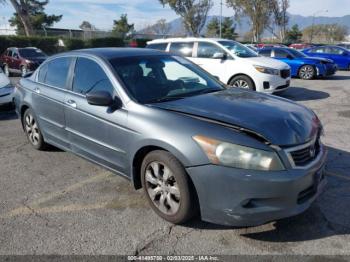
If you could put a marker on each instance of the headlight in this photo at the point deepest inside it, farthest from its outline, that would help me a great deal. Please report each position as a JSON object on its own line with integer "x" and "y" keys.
{"x": 227, "y": 154}
{"x": 28, "y": 61}
{"x": 267, "y": 70}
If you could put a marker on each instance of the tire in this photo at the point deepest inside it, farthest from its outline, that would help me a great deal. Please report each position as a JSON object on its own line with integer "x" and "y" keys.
{"x": 242, "y": 81}
{"x": 7, "y": 71}
{"x": 307, "y": 72}
{"x": 24, "y": 70}
{"x": 32, "y": 130}
{"x": 171, "y": 197}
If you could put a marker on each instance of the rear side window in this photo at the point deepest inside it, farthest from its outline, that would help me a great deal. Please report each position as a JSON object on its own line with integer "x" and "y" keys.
{"x": 57, "y": 72}
{"x": 280, "y": 53}
{"x": 183, "y": 49}
{"x": 160, "y": 46}
{"x": 90, "y": 76}
{"x": 265, "y": 52}
{"x": 42, "y": 73}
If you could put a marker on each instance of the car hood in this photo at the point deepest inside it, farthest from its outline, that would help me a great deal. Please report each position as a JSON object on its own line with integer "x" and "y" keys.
{"x": 280, "y": 121}
{"x": 315, "y": 60}
{"x": 267, "y": 62}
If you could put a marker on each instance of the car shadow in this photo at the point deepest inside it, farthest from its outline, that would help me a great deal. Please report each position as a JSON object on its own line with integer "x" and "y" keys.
{"x": 7, "y": 112}
{"x": 336, "y": 77}
{"x": 303, "y": 94}
{"x": 328, "y": 216}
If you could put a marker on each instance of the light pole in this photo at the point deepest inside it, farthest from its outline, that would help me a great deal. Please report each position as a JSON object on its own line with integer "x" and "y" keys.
{"x": 313, "y": 23}
{"x": 221, "y": 18}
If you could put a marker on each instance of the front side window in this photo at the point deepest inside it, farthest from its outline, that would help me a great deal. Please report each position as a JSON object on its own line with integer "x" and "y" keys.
{"x": 31, "y": 53}
{"x": 42, "y": 73}
{"x": 208, "y": 50}
{"x": 238, "y": 49}
{"x": 184, "y": 49}
{"x": 57, "y": 72}
{"x": 89, "y": 76}
{"x": 157, "y": 78}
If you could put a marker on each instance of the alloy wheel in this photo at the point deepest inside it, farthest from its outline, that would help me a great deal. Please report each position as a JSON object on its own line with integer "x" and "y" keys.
{"x": 162, "y": 188}
{"x": 306, "y": 72}
{"x": 241, "y": 84}
{"x": 23, "y": 71}
{"x": 32, "y": 129}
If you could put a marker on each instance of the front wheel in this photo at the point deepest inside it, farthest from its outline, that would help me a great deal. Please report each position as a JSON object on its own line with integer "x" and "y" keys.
{"x": 167, "y": 187}
{"x": 24, "y": 71}
{"x": 32, "y": 130}
{"x": 307, "y": 72}
{"x": 242, "y": 82}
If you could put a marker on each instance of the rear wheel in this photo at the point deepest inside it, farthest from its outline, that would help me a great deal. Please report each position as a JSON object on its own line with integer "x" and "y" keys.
{"x": 307, "y": 72}
{"x": 32, "y": 130}
{"x": 242, "y": 82}
{"x": 167, "y": 187}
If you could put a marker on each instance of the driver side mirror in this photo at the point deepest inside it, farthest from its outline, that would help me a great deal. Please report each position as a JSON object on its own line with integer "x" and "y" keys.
{"x": 345, "y": 54}
{"x": 220, "y": 56}
{"x": 103, "y": 98}
{"x": 290, "y": 57}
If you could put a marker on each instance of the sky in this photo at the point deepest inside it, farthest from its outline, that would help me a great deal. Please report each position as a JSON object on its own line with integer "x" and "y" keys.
{"x": 101, "y": 13}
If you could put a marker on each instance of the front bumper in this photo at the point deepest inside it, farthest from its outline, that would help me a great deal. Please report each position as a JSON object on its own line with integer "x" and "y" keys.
{"x": 239, "y": 197}
{"x": 327, "y": 69}
{"x": 6, "y": 95}
{"x": 270, "y": 83}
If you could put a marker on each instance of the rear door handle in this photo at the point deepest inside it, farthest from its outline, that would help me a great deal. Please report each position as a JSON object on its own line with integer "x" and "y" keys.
{"x": 72, "y": 103}
{"x": 37, "y": 90}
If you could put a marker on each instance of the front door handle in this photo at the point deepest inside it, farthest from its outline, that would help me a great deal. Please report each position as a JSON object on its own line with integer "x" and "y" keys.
{"x": 71, "y": 103}
{"x": 37, "y": 90}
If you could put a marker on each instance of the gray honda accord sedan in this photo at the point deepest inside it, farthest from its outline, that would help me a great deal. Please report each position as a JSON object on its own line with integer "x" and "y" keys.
{"x": 232, "y": 156}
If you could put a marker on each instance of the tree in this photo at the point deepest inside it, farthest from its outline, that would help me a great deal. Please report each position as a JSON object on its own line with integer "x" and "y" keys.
{"x": 30, "y": 16}
{"x": 325, "y": 33}
{"x": 121, "y": 27}
{"x": 194, "y": 13}
{"x": 280, "y": 17}
{"x": 87, "y": 26}
{"x": 228, "y": 28}
{"x": 161, "y": 27}
{"x": 294, "y": 35}
{"x": 258, "y": 11}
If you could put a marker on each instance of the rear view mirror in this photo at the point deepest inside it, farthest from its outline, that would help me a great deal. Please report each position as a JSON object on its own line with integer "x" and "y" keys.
{"x": 219, "y": 56}
{"x": 99, "y": 98}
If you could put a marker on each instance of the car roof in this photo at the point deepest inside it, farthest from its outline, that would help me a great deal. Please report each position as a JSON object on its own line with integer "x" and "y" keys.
{"x": 186, "y": 39}
{"x": 114, "y": 52}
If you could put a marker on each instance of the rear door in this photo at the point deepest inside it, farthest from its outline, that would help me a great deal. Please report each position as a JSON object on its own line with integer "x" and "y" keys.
{"x": 48, "y": 99}
{"x": 96, "y": 132}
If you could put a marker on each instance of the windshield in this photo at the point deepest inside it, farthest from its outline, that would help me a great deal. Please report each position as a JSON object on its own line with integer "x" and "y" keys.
{"x": 31, "y": 52}
{"x": 159, "y": 78}
{"x": 238, "y": 49}
{"x": 296, "y": 53}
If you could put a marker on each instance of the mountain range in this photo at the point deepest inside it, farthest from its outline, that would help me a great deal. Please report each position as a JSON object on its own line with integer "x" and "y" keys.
{"x": 243, "y": 26}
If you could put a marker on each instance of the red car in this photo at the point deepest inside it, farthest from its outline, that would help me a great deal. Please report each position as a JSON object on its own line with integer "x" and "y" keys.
{"x": 21, "y": 60}
{"x": 300, "y": 46}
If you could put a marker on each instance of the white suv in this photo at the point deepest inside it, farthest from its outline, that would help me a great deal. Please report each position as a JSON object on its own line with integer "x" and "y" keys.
{"x": 233, "y": 63}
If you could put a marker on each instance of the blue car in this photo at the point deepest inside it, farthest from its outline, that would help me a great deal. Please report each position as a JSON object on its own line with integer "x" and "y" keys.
{"x": 302, "y": 66}
{"x": 340, "y": 55}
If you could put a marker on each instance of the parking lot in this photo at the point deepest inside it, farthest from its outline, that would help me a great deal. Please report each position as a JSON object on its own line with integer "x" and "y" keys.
{"x": 56, "y": 203}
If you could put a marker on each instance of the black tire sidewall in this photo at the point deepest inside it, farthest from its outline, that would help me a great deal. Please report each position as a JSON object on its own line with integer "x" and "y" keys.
{"x": 245, "y": 78}
{"x": 187, "y": 207}
{"x": 41, "y": 145}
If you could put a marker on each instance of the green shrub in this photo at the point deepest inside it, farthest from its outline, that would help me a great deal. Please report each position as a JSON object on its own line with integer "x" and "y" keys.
{"x": 48, "y": 44}
{"x": 74, "y": 44}
{"x": 105, "y": 42}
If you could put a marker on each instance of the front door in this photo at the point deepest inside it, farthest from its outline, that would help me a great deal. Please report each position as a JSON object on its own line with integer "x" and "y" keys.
{"x": 206, "y": 58}
{"x": 96, "y": 132}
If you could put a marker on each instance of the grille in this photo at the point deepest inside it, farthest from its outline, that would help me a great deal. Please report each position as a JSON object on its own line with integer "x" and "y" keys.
{"x": 306, "y": 155}
{"x": 285, "y": 73}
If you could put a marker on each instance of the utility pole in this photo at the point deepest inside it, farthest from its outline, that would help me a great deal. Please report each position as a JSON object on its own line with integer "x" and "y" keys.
{"x": 221, "y": 18}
